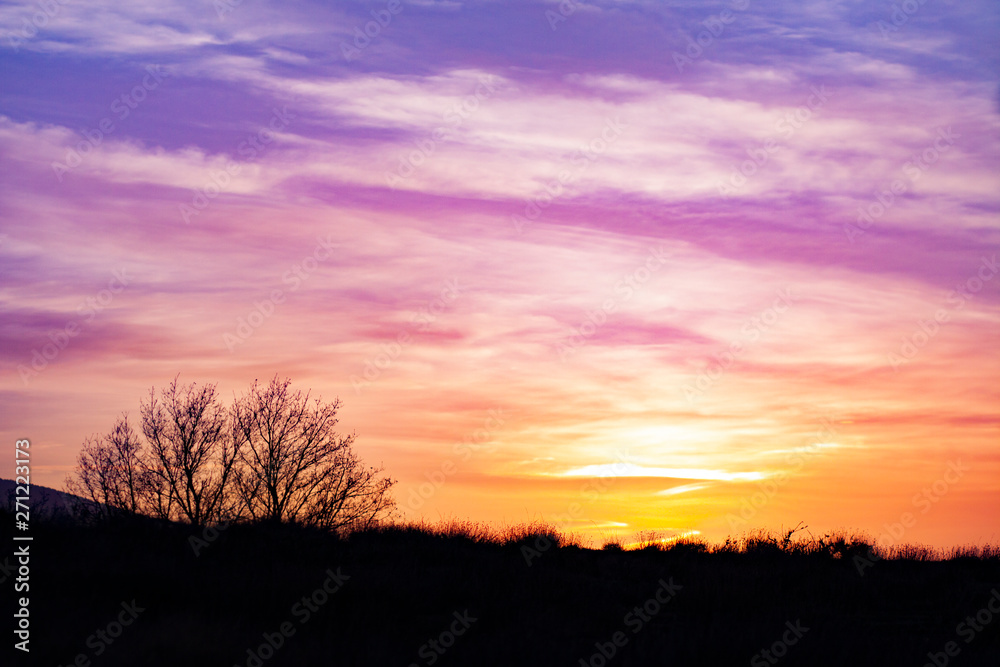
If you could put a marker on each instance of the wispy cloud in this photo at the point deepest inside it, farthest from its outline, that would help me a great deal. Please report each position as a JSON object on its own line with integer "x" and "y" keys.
{"x": 632, "y": 470}
{"x": 414, "y": 101}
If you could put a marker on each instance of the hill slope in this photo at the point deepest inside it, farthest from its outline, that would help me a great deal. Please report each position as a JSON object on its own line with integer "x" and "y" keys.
{"x": 253, "y": 597}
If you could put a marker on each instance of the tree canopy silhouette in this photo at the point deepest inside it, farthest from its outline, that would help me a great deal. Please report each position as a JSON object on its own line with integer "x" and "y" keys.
{"x": 293, "y": 466}
{"x": 191, "y": 453}
{"x": 273, "y": 456}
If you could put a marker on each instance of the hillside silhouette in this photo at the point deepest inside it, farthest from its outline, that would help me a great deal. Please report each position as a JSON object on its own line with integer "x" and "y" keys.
{"x": 463, "y": 594}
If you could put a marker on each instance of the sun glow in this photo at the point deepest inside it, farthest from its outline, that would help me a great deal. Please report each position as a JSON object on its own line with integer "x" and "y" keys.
{"x": 633, "y": 470}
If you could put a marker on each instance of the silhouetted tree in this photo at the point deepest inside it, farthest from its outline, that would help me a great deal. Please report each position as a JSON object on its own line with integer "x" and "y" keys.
{"x": 273, "y": 457}
{"x": 295, "y": 468}
{"x": 191, "y": 453}
{"x": 111, "y": 473}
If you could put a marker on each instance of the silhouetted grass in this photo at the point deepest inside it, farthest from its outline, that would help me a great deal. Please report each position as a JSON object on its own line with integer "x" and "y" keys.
{"x": 837, "y": 545}
{"x": 407, "y": 582}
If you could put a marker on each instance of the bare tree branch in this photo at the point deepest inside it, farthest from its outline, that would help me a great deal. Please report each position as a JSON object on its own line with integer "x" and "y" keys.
{"x": 294, "y": 467}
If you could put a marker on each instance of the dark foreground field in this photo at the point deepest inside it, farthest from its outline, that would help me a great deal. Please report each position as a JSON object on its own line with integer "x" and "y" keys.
{"x": 139, "y": 595}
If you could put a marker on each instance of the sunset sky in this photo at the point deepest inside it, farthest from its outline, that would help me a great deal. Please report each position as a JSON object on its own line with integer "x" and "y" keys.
{"x": 614, "y": 265}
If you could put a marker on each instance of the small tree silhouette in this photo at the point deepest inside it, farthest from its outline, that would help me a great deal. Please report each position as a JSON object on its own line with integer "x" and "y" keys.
{"x": 295, "y": 468}
{"x": 110, "y": 472}
{"x": 191, "y": 456}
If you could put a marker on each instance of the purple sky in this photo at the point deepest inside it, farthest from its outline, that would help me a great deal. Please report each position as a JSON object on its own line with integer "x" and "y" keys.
{"x": 673, "y": 236}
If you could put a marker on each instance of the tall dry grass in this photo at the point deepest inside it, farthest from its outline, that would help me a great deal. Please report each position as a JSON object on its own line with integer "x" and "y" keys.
{"x": 761, "y": 542}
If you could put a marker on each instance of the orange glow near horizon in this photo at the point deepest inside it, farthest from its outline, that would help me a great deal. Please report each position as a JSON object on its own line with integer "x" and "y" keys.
{"x": 609, "y": 474}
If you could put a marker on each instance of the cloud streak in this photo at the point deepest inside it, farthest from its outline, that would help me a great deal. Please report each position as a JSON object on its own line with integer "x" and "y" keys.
{"x": 470, "y": 142}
